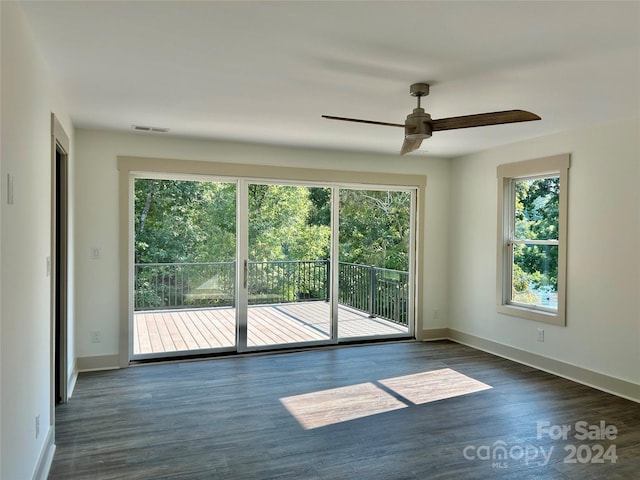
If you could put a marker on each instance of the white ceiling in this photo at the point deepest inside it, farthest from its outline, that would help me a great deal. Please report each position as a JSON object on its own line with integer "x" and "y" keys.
{"x": 266, "y": 71}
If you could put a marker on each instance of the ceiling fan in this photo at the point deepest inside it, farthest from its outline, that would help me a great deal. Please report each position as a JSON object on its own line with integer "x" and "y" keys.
{"x": 419, "y": 124}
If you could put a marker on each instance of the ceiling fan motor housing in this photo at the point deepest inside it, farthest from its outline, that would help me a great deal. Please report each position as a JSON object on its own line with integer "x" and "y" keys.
{"x": 418, "y": 124}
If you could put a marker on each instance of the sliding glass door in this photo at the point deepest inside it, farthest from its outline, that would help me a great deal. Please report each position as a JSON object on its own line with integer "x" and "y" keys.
{"x": 288, "y": 265}
{"x": 241, "y": 265}
{"x": 184, "y": 267}
{"x": 375, "y": 258}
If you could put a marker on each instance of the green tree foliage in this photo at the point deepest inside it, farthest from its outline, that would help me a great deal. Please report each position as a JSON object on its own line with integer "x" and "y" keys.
{"x": 188, "y": 222}
{"x": 536, "y": 218}
{"x": 184, "y": 221}
{"x": 279, "y": 226}
{"x": 374, "y": 228}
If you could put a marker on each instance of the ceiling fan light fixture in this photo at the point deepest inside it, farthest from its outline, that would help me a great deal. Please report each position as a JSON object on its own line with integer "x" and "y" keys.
{"x": 410, "y": 144}
{"x": 418, "y": 124}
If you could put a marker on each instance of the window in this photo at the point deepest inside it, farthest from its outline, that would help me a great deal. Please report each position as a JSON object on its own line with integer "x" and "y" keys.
{"x": 532, "y": 233}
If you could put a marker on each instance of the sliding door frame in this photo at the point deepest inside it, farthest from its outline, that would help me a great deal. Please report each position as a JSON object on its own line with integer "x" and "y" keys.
{"x": 130, "y": 166}
{"x": 243, "y": 249}
{"x": 139, "y": 175}
{"x": 413, "y": 254}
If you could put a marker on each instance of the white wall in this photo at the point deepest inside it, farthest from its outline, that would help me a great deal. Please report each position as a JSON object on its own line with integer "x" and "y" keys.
{"x": 96, "y": 188}
{"x": 2, "y": 194}
{"x": 603, "y": 273}
{"x": 27, "y": 100}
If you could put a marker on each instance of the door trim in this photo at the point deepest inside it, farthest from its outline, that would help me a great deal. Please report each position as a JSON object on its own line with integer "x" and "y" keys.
{"x": 128, "y": 165}
{"x": 59, "y": 264}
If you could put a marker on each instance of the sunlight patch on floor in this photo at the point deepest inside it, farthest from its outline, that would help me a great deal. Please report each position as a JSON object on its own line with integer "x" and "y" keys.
{"x": 431, "y": 386}
{"x": 336, "y": 405}
{"x": 327, "y": 407}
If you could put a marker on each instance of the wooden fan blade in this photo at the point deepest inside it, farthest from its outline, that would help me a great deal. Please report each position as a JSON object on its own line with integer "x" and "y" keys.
{"x": 364, "y": 121}
{"x": 483, "y": 119}
{"x": 410, "y": 144}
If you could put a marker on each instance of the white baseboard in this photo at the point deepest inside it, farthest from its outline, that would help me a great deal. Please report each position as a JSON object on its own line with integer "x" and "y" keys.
{"x": 46, "y": 457}
{"x": 100, "y": 362}
{"x": 435, "y": 334}
{"x": 606, "y": 383}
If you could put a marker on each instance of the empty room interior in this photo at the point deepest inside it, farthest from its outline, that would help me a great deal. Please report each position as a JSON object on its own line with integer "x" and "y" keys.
{"x": 319, "y": 240}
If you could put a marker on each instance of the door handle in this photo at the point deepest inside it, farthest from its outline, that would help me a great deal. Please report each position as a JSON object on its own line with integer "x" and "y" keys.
{"x": 246, "y": 273}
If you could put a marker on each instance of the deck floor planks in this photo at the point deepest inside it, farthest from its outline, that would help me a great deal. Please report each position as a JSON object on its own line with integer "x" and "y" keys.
{"x": 216, "y": 329}
{"x": 196, "y": 329}
{"x": 174, "y": 332}
{"x": 225, "y": 321}
{"x": 269, "y": 327}
{"x": 141, "y": 335}
{"x": 154, "y": 335}
{"x": 197, "y": 336}
{"x": 185, "y": 332}
{"x": 286, "y": 327}
{"x": 204, "y": 328}
{"x": 168, "y": 345}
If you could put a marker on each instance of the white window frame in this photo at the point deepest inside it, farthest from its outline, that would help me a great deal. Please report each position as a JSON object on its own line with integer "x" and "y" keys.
{"x": 557, "y": 165}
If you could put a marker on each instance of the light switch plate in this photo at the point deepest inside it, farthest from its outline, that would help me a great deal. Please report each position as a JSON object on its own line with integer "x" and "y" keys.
{"x": 9, "y": 189}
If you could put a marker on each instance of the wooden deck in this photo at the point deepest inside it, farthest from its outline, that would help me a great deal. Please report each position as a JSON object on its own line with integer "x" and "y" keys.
{"x": 199, "y": 329}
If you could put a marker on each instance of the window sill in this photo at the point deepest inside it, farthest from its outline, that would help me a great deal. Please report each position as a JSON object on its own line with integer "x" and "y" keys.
{"x": 554, "y": 318}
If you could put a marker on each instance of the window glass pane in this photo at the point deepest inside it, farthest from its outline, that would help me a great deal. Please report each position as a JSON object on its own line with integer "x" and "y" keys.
{"x": 535, "y": 275}
{"x": 536, "y": 210}
{"x": 373, "y": 274}
{"x": 288, "y": 270}
{"x": 185, "y": 266}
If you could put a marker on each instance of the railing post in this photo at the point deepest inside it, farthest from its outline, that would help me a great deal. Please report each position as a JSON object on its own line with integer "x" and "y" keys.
{"x": 372, "y": 289}
{"x": 327, "y": 282}
{"x": 136, "y": 297}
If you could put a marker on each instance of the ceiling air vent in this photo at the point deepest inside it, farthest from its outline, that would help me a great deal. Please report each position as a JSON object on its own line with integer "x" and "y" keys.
{"x": 140, "y": 128}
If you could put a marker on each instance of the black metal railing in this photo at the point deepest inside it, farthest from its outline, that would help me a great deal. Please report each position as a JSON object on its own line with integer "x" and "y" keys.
{"x": 179, "y": 285}
{"x": 380, "y": 292}
{"x": 288, "y": 281}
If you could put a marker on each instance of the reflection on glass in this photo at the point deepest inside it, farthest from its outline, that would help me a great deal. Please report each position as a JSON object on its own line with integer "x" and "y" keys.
{"x": 536, "y": 208}
{"x": 535, "y": 275}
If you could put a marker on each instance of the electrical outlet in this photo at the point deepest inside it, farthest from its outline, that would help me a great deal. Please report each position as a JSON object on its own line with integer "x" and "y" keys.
{"x": 37, "y": 426}
{"x": 96, "y": 336}
{"x": 540, "y": 335}
{"x": 96, "y": 253}
{"x": 436, "y": 313}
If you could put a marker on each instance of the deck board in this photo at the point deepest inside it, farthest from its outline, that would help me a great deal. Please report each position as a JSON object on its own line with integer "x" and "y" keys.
{"x": 200, "y": 329}
{"x": 176, "y": 337}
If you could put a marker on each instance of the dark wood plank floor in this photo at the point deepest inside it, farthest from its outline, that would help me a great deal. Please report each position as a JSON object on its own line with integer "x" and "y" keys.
{"x": 385, "y": 411}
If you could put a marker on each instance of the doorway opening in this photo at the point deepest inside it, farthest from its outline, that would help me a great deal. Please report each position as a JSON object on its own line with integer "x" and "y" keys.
{"x": 58, "y": 262}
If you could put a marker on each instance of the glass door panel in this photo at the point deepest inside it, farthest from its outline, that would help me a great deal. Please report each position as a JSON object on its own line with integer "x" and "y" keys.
{"x": 185, "y": 267}
{"x": 374, "y": 258}
{"x": 288, "y": 268}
